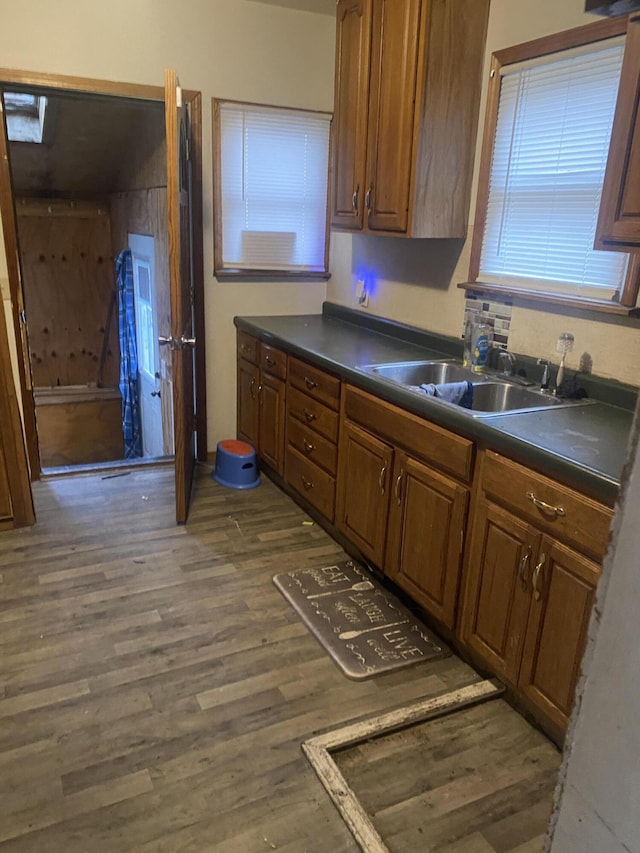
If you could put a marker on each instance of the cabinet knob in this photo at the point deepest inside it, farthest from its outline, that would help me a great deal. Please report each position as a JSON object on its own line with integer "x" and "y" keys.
{"x": 536, "y": 576}
{"x": 522, "y": 567}
{"x": 354, "y": 198}
{"x": 367, "y": 200}
{"x": 308, "y": 446}
{"x": 310, "y": 416}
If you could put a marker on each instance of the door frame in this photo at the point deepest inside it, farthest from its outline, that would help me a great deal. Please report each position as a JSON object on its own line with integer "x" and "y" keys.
{"x": 88, "y": 85}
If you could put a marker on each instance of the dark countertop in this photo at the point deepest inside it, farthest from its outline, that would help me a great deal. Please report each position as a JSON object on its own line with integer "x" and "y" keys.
{"x": 583, "y": 446}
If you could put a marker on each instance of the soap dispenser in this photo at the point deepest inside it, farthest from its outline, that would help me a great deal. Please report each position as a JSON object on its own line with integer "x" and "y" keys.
{"x": 479, "y": 346}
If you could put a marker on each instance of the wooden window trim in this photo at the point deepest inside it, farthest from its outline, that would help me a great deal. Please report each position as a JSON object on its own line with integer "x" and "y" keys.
{"x": 223, "y": 273}
{"x": 555, "y": 43}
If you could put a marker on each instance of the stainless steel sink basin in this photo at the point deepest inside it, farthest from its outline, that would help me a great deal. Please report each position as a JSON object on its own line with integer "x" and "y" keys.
{"x": 492, "y": 395}
{"x": 491, "y": 398}
{"x": 423, "y": 372}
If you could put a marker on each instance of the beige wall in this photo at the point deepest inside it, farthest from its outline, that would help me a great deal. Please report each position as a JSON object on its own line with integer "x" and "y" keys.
{"x": 225, "y": 48}
{"x": 417, "y": 282}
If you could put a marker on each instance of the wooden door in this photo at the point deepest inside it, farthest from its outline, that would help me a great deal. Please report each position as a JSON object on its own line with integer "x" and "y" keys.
{"x": 271, "y": 421}
{"x": 364, "y": 474}
{"x": 426, "y": 534}
{"x": 248, "y": 402}
{"x": 563, "y": 585}
{"x": 619, "y": 219}
{"x": 394, "y": 69}
{"x": 497, "y": 598}
{"x": 353, "y": 37}
{"x": 182, "y": 291}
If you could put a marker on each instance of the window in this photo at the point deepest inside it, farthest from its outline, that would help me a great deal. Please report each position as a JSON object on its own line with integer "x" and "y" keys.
{"x": 25, "y": 116}
{"x": 542, "y": 173}
{"x": 271, "y": 189}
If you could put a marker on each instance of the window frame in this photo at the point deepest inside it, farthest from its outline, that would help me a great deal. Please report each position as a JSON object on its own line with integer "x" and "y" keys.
{"x": 545, "y": 46}
{"x": 241, "y": 274}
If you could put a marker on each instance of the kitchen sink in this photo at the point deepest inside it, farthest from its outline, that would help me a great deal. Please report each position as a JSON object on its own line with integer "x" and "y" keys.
{"x": 492, "y": 394}
{"x": 423, "y": 372}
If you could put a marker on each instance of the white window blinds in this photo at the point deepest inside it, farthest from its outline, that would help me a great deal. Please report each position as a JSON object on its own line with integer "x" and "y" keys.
{"x": 274, "y": 176}
{"x": 551, "y": 144}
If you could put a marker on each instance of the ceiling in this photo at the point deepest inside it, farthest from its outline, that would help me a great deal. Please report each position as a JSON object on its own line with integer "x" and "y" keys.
{"x": 322, "y": 7}
{"x": 86, "y": 140}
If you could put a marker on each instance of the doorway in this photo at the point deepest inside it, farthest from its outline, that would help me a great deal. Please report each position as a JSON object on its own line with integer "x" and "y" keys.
{"x": 95, "y": 97}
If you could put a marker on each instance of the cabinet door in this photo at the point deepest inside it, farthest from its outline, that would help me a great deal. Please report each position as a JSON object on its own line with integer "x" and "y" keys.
{"x": 619, "y": 219}
{"x": 364, "y": 474}
{"x": 498, "y": 590}
{"x": 563, "y": 585}
{"x": 248, "y": 403}
{"x": 272, "y": 420}
{"x": 394, "y": 70}
{"x": 353, "y": 37}
{"x": 426, "y": 532}
{"x": 6, "y": 509}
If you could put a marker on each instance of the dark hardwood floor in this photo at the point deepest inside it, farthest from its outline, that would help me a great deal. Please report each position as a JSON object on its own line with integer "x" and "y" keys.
{"x": 154, "y": 685}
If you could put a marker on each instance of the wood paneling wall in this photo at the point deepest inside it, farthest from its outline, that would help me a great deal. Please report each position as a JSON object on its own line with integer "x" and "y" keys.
{"x": 145, "y": 212}
{"x": 69, "y": 279}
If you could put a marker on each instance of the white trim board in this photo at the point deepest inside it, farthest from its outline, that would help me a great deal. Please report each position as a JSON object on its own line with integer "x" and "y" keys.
{"x": 318, "y": 751}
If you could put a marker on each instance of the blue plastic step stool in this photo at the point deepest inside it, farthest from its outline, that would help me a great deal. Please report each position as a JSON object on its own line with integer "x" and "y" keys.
{"x": 236, "y": 465}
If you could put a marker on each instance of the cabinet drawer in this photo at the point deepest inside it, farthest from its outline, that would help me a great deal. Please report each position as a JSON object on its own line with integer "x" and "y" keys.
{"x": 314, "y": 484}
{"x": 315, "y": 382}
{"x": 247, "y": 346}
{"x": 312, "y": 445}
{"x": 313, "y": 413}
{"x": 427, "y": 441}
{"x": 552, "y": 507}
{"x": 273, "y": 361}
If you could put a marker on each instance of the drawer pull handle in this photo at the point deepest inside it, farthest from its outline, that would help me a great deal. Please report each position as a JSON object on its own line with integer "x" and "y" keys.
{"x": 522, "y": 567}
{"x": 310, "y": 383}
{"x": 354, "y": 198}
{"x": 310, "y": 416}
{"x": 536, "y": 577}
{"x": 252, "y": 389}
{"x": 306, "y": 483}
{"x": 381, "y": 478}
{"x": 308, "y": 446}
{"x": 245, "y": 348}
{"x": 397, "y": 489}
{"x": 367, "y": 200}
{"x": 545, "y": 507}
{"x": 270, "y": 361}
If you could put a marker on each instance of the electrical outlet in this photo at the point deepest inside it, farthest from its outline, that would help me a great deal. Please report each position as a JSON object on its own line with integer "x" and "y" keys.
{"x": 359, "y": 290}
{"x": 364, "y": 299}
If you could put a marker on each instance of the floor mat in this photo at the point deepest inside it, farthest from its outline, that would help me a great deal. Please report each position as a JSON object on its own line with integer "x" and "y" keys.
{"x": 364, "y": 628}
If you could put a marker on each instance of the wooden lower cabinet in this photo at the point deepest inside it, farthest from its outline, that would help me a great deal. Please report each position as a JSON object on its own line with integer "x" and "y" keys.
{"x": 364, "y": 474}
{"x": 529, "y": 595}
{"x": 563, "y": 596}
{"x": 248, "y": 402}
{"x": 271, "y": 430}
{"x": 261, "y": 399}
{"x": 405, "y": 514}
{"x": 427, "y": 520}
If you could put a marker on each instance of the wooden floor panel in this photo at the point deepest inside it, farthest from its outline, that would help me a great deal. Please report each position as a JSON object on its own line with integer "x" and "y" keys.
{"x": 154, "y": 685}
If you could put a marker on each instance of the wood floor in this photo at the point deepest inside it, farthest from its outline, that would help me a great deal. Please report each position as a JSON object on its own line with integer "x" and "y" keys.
{"x": 154, "y": 685}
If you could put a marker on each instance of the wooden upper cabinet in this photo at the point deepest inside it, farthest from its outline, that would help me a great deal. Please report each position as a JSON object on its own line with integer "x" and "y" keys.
{"x": 353, "y": 38}
{"x": 394, "y": 69}
{"x": 408, "y": 80}
{"x": 619, "y": 219}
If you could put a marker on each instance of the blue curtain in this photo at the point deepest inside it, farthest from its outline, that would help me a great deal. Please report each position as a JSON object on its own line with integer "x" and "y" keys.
{"x": 131, "y": 425}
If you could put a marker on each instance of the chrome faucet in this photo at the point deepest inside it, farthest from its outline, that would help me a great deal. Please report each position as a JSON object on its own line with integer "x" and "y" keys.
{"x": 508, "y": 361}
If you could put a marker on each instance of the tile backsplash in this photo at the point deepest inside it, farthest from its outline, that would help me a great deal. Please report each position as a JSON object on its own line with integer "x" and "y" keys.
{"x": 479, "y": 307}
